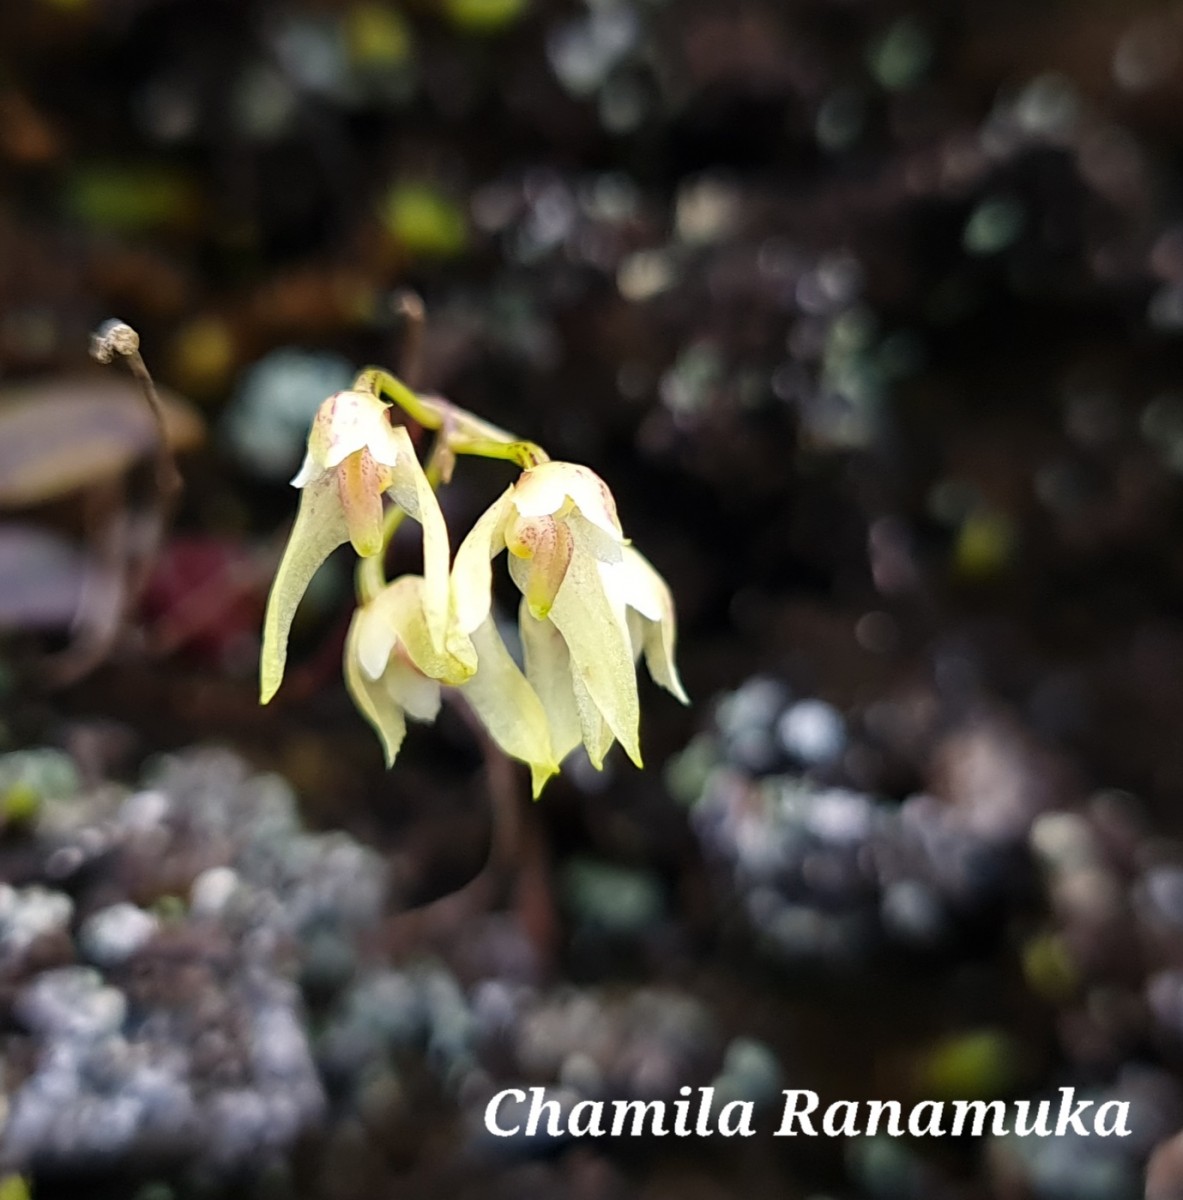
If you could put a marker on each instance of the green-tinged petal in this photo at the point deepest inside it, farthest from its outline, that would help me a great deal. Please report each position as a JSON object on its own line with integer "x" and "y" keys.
{"x": 636, "y": 632}
{"x": 413, "y": 492}
{"x": 472, "y": 572}
{"x": 544, "y": 545}
{"x": 373, "y": 700}
{"x": 318, "y": 530}
{"x": 540, "y": 773}
{"x": 392, "y": 667}
{"x": 593, "y": 729}
{"x": 544, "y": 491}
{"x": 548, "y": 668}
{"x": 597, "y": 637}
{"x": 598, "y": 543}
{"x": 360, "y": 483}
{"x": 396, "y": 617}
{"x": 460, "y": 655}
{"x": 659, "y": 656}
{"x": 637, "y": 584}
{"x": 508, "y": 706}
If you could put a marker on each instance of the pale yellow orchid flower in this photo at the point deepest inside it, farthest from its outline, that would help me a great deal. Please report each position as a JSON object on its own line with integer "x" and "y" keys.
{"x": 393, "y": 667}
{"x": 591, "y": 604}
{"x": 355, "y": 457}
{"x": 394, "y": 671}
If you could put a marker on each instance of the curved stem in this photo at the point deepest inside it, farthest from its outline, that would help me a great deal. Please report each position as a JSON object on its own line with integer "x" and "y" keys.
{"x": 515, "y": 870}
{"x": 524, "y": 454}
{"x": 125, "y": 544}
{"x": 117, "y": 337}
{"x": 369, "y": 577}
{"x": 422, "y": 410}
{"x": 465, "y": 433}
{"x": 457, "y": 432}
{"x": 106, "y": 589}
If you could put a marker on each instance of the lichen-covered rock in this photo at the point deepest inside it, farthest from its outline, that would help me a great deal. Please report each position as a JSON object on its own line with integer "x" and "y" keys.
{"x": 29, "y": 916}
{"x": 121, "y": 1084}
{"x": 113, "y": 934}
{"x": 185, "y": 1043}
{"x": 1068, "y": 1166}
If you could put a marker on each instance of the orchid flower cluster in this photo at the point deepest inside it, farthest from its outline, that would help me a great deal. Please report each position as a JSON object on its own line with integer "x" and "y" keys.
{"x": 591, "y": 605}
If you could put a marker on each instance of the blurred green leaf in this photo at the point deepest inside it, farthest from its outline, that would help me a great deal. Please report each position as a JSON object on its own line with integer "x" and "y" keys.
{"x": 483, "y": 16}
{"x": 425, "y": 221}
{"x": 129, "y": 199}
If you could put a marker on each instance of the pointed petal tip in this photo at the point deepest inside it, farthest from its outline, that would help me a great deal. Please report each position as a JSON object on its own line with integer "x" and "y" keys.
{"x": 540, "y": 776}
{"x": 633, "y": 750}
{"x": 270, "y": 674}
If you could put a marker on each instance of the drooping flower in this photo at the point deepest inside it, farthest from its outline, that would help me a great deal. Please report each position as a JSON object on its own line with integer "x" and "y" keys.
{"x": 394, "y": 670}
{"x": 354, "y": 458}
{"x": 393, "y": 667}
{"x": 591, "y": 604}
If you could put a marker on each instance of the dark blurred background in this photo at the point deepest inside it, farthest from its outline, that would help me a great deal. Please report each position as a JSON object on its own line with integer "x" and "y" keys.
{"x": 871, "y": 314}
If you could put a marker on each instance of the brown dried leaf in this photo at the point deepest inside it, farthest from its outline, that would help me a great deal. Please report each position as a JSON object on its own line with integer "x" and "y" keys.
{"x": 67, "y": 433}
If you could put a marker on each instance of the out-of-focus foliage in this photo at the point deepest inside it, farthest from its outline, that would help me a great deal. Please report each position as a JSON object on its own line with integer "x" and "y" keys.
{"x": 59, "y": 436}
